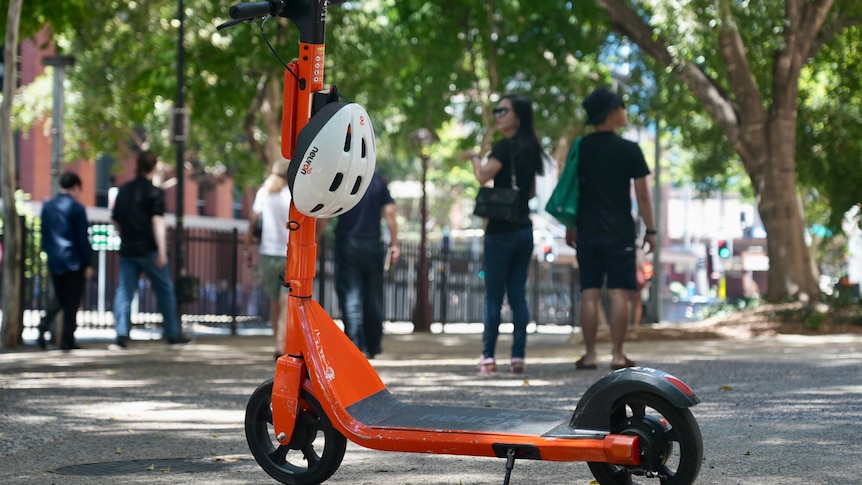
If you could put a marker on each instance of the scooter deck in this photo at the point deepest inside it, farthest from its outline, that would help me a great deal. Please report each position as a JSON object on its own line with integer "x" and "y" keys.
{"x": 383, "y": 410}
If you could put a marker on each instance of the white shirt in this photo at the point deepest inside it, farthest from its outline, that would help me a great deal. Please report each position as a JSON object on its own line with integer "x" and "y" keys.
{"x": 274, "y": 209}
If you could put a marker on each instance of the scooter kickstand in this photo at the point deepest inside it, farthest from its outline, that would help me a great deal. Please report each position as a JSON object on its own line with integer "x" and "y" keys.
{"x": 510, "y": 464}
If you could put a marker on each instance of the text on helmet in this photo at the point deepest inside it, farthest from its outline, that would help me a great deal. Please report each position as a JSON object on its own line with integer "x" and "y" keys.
{"x": 306, "y": 165}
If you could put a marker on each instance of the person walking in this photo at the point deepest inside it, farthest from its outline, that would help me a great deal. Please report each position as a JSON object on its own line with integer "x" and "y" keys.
{"x": 606, "y": 232}
{"x": 360, "y": 255}
{"x": 70, "y": 256}
{"x": 272, "y": 207}
{"x": 138, "y": 215}
{"x": 508, "y": 246}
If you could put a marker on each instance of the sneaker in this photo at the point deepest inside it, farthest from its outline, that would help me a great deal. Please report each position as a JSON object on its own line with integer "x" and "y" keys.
{"x": 179, "y": 341}
{"x": 518, "y": 366}
{"x": 120, "y": 344}
{"x": 487, "y": 365}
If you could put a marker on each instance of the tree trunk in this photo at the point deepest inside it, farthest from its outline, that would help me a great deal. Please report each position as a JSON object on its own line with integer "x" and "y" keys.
{"x": 12, "y": 249}
{"x": 792, "y": 272}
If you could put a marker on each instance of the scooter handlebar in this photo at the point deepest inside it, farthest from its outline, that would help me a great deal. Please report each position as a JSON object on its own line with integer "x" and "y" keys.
{"x": 254, "y": 10}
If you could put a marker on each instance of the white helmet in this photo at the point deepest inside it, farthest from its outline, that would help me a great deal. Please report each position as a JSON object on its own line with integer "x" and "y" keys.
{"x": 333, "y": 161}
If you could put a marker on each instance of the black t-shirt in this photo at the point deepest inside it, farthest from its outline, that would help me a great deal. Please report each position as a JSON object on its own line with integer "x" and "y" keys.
{"x": 606, "y": 165}
{"x": 137, "y": 203}
{"x": 507, "y": 152}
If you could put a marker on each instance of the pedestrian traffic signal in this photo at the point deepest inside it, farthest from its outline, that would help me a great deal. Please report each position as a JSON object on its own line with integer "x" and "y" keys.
{"x": 548, "y": 253}
{"x": 723, "y": 248}
{"x": 104, "y": 237}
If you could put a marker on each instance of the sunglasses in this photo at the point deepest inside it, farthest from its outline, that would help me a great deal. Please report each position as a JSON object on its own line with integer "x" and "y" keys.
{"x": 500, "y": 111}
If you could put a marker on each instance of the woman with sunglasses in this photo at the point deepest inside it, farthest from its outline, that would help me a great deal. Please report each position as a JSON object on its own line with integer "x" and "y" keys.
{"x": 508, "y": 246}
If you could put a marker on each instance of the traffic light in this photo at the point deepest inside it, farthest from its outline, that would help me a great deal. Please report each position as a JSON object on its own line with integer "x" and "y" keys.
{"x": 548, "y": 253}
{"x": 723, "y": 248}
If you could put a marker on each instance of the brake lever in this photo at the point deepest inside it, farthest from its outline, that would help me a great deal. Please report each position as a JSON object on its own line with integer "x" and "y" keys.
{"x": 229, "y": 23}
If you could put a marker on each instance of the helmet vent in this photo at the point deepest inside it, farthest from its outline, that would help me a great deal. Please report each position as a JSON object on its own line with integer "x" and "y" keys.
{"x": 336, "y": 182}
{"x": 317, "y": 208}
{"x": 356, "y": 186}
{"x": 364, "y": 149}
{"x": 348, "y": 140}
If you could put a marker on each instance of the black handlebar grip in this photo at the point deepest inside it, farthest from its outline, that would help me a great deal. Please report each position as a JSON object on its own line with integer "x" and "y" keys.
{"x": 251, "y": 10}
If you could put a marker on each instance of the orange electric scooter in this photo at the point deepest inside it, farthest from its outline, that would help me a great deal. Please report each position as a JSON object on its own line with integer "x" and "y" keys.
{"x": 632, "y": 422}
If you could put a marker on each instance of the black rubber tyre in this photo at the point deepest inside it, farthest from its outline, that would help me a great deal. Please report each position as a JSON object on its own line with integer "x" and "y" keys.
{"x": 315, "y": 450}
{"x": 669, "y": 437}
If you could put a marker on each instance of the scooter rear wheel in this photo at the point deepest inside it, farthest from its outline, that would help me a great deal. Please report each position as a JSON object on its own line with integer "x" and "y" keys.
{"x": 315, "y": 450}
{"x": 670, "y": 442}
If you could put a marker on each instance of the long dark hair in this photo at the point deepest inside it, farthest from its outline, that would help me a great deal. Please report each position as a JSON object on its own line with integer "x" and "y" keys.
{"x": 526, "y": 142}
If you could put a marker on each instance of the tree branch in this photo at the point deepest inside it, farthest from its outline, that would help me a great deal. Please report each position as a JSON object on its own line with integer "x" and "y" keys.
{"x": 627, "y": 22}
{"x": 742, "y": 81}
{"x": 804, "y": 20}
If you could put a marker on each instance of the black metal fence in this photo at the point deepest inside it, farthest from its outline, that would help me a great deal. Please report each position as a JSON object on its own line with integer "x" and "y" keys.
{"x": 229, "y": 292}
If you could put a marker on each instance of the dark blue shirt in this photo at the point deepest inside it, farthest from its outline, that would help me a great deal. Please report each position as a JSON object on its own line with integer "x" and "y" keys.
{"x": 64, "y": 235}
{"x": 363, "y": 221}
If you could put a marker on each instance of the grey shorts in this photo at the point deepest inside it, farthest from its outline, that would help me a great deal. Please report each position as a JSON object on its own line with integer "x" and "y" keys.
{"x": 271, "y": 273}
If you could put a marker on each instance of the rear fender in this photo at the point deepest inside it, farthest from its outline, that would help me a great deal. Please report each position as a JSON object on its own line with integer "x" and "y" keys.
{"x": 593, "y": 410}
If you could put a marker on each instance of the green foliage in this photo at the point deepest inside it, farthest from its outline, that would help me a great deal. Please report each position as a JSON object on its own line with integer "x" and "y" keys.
{"x": 727, "y": 308}
{"x": 411, "y": 63}
{"x": 814, "y": 320}
{"x": 440, "y": 64}
{"x": 829, "y": 147}
{"x": 423, "y": 63}
{"x": 35, "y": 15}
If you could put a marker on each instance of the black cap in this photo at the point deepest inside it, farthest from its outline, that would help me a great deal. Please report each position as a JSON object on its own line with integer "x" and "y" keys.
{"x": 600, "y": 103}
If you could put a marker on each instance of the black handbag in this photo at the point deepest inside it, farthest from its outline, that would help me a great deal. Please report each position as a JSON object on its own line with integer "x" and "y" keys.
{"x": 499, "y": 203}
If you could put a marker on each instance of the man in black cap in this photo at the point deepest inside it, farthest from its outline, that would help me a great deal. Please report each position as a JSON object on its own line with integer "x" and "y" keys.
{"x": 606, "y": 231}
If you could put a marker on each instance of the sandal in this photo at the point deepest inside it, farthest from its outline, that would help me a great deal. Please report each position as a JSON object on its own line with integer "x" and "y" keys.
{"x": 628, "y": 363}
{"x": 581, "y": 365}
{"x": 487, "y": 365}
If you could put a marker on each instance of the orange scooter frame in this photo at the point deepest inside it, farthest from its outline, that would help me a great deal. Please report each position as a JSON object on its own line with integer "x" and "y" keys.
{"x": 325, "y": 392}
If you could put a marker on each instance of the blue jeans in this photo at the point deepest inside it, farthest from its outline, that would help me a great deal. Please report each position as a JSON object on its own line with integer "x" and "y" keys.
{"x": 507, "y": 259}
{"x": 160, "y": 279}
{"x": 359, "y": 286}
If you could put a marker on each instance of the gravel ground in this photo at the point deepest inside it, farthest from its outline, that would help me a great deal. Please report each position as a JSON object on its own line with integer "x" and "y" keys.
{"x": 782, "y": 409}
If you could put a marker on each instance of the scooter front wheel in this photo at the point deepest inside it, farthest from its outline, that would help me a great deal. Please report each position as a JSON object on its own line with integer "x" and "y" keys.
{"x": 671, "y": 445}
{"x": 315, "y": 450}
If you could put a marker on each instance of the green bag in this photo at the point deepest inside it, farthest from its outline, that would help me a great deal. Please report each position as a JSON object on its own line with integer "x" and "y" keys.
{"x": 563, "y": 203}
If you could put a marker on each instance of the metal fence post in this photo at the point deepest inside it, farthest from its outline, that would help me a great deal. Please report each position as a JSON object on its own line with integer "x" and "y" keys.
{"x": 234, "y": 276}
{"x": 21, "y": 271}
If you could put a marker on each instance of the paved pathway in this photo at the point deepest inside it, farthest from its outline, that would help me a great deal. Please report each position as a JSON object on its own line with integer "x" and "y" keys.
{"x": 781, "y": 410}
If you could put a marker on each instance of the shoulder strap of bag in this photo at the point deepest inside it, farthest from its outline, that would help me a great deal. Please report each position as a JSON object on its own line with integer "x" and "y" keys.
{"x": 575, "y": 151}
{"x": 512, "y": 164}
